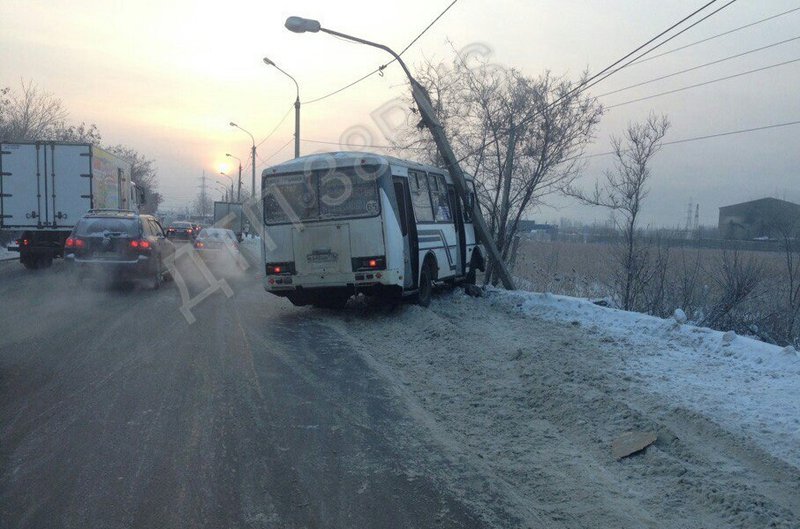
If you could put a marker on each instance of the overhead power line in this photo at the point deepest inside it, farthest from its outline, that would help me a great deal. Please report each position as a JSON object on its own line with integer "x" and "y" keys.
{"x": 727, "y": 77}
{"x": 271, "y": 156}
{"x": 695, "y": 138}
{"x": 365, "y": 146}
{"x": 730, "y": 133}
{"x": 684, "y": 30}
{"x": 276, "y": 126}
{"x": 585, "y": 85}
{"x": 700, "y": 66}
{"x": 734, "y": 30}
{"x": 581, "y": 156}
{"x": 382, "y": 67}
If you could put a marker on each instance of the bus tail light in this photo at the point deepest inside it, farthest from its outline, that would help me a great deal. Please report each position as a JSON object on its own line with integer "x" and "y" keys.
{"x": 377, "y": 262}
{"x": 277, "y": 269}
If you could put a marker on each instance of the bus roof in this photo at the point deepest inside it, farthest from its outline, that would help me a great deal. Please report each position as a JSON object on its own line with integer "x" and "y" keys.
{"x": 347, "y": 159}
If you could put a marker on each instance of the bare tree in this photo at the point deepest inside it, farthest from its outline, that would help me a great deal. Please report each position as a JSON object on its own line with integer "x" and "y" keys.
{"x": 784, "y": 224}
{"x": 519, "y": 136}
{"x": 82, "y": 133}
{"x": 30, "y": 114}
{"x": 143, "y": 173}
{"x": 624, "y": 191}
{"x": 202, "y": 205}
{"x": 736, "y": 279}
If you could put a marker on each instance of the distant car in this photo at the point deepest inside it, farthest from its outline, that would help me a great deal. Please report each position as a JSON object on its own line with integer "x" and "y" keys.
{"x": 214, "y": 244}
{"x": 180, "y": 230}
{"x": 122, "y": 244}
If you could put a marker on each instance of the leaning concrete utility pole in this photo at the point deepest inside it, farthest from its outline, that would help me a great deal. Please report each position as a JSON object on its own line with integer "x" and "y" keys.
{"x": 302, "y": 25}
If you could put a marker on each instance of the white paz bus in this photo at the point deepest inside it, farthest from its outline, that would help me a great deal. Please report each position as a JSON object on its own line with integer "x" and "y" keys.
{"x": 343, "y": 223}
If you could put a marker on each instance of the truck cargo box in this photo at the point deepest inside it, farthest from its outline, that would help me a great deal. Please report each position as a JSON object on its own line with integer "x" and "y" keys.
{"x": 50, "y": 185}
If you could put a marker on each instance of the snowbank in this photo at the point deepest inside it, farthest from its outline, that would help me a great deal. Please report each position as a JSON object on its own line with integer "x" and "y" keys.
{"x": 746, "y": 386}
{"x": 6, "y": 255}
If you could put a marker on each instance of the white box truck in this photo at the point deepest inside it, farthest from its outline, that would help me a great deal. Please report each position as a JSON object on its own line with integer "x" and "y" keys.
{"x": 229, "y": 215}
{"x": 45, "y": 187}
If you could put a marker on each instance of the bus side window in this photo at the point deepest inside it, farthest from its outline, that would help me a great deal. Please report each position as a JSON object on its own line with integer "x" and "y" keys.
{"x": 469, "y": 204}
{"x": 441, "y": 202}
{"x": 402, "y": 207}
{"x": 420, "y": 198}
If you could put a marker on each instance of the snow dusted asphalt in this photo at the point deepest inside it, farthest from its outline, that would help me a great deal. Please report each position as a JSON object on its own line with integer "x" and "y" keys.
{"x": 476, "y": 412}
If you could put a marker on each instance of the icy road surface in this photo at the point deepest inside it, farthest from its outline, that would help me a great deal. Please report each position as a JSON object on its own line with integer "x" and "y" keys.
{"x": 493, "y": 412}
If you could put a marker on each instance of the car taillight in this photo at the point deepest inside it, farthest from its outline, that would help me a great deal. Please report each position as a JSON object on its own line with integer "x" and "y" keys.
{"x": 24, "y": 242}
{"x": 141, "y": 244}
{"x": 274, "y": 269}
{"x": 369, "y": 263}
{"x": 74, "y": 242}
{"x": 199, "y": 244}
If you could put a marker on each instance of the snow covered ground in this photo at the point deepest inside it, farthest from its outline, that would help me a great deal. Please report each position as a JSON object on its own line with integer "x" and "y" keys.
{"x": 524, "y": 394}
{"x": 5, "y": 254}
{"x": 750, "y": 387}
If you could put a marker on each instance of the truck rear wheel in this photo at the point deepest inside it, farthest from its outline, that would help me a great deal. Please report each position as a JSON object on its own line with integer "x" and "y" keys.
{"x": 28, "y": 262}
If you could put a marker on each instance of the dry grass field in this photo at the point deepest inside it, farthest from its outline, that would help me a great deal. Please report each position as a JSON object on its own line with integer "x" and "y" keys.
{"x": 746, "y": 291}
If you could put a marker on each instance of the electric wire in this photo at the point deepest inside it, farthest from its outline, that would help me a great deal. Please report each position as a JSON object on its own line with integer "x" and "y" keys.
{"x": 734, "y": 30}
{"x": 684, "y": 30}
{"x": 382, "y": 67}
{"x": 695, "y": 138}
{"x": 718, "y": 61}
{"x": 712, "y": 81}
{"x": 583, "y": 86}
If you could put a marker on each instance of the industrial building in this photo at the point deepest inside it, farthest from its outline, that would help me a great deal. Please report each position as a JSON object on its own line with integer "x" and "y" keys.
{"x": 758, "y": 219}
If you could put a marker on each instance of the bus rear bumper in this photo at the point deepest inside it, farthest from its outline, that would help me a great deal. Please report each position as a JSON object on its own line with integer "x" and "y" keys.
{"x": 385, "y": 283}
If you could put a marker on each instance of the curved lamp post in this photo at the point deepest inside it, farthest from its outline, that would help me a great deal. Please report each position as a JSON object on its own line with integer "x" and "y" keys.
{"x": 231, "y": 179}
{"x": 305, "y": 25}
{"x": 239, "y": 184}
{"x": 253, "y": 181}
{"x": 296, "y": 107}
{"x": 224, "y": 190}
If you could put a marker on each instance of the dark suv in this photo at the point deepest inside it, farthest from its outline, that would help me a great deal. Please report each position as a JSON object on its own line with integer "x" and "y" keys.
{"x": 182, "y": 231}
{"x": 124, "y": 244}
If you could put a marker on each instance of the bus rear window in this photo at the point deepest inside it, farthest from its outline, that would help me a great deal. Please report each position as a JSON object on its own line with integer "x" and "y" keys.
{"x": 322, "y": 195}
{"x": 290, "y": 198}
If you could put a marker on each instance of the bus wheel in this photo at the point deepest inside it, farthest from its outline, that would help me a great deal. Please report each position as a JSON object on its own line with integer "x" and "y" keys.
{"x": 425, "y": 286}
{"x": 471, "y": 277}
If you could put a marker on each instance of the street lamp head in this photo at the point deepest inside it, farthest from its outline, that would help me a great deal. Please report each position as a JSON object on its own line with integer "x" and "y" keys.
{"x": 232, "y": 124}
{"x": 268, "y": 62}
{"x": 302, "y": 25}
{"x": 227, "y": 154}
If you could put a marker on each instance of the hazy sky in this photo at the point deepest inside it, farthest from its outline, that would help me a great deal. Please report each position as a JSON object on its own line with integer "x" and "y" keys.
{"x": 166, "y": 77}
